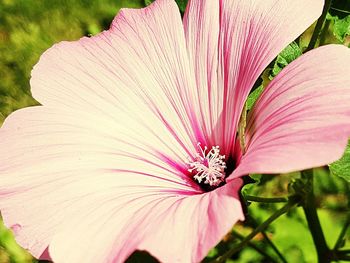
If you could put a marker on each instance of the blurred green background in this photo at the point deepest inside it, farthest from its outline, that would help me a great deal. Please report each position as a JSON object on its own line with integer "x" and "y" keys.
{"x": 29, "y": 27}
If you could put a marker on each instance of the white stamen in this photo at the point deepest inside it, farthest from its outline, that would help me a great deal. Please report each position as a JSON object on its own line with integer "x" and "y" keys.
{"x": 208, "y": 166}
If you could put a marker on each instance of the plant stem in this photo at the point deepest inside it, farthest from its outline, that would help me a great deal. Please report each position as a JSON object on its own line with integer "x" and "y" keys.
{"x": 319, "y": 25}
{"x": 273, "y": 246}
{"x": 347, "y": 258}
{"x": 324, "y": 32}
{"x": 266, "y": 199}
{"x": 258, "y": 249}
{"x": 342, "y": 252}
{"x": 257, "y": 230}
{"x": 308, "y": 204}
{"x": 340, "y": 10}
{"x": 270, "y": 243}
{"x": 343, "y": 257}
{"x": 342, "y": 234}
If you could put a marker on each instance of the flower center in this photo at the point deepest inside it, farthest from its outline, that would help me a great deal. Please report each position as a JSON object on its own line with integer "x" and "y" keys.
{"x": 208, "y": 167}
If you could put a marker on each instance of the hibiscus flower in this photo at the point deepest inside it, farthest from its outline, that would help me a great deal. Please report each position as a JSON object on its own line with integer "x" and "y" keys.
{"x": 135, "y": 145}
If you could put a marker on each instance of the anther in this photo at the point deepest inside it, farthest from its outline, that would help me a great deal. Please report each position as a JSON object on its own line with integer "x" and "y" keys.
{"x": 208, "y": 167}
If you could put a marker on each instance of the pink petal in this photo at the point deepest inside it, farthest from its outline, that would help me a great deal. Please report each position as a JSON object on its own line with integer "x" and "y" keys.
{"x": 92, "y": 173}
{"x": 201, "y": 23}
{"x": 139, "y": 68}
{"x": 302, "y": 119}
{"x": 245, "y": 36}
{"x": 71, "y": 182}
{"x": 51, "y": 160}
{"x": 172, "y": 227}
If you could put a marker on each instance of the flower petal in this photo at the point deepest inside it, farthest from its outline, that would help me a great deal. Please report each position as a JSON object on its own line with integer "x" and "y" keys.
{"x": 173, "y": 228}
{"x": 302, "y": 119}
{"x": 91, "y": 173}
{"x": 71, "y": 182}
{"x": 139, "y": 68}
{"x": 201, "y": 23}
{"x": 50, "y": 159}
{"x": 245, "y": 36}
{"x": 198, "y": 223}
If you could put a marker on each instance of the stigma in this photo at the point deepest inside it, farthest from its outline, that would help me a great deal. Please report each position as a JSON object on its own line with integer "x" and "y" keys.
{"x": 208, "y": 166}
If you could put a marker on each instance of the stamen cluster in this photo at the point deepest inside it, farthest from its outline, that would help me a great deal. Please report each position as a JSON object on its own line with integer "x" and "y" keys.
{"x": 209, "y": 167}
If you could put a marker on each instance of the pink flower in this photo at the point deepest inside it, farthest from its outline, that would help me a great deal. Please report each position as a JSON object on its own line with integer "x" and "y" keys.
{"x": 122, "y": 155}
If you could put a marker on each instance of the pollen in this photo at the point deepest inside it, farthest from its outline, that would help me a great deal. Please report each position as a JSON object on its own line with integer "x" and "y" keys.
{"x": 208, "y": 166}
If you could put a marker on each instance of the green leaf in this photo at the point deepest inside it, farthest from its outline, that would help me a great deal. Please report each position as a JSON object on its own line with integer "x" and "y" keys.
{"x": 254, "y": 181}
{"x": 254, "y": 96}
{"x": 341, "y": 167}
{"x": 2, "y": 118}
{"x": 181, "y": 3}
{"x": 148, "y": 2}
{"x": 11, "y": 248}
{"x": 341, "y": 28}
{"x": 241, "y": 128}
{"x": 290, "y": 53}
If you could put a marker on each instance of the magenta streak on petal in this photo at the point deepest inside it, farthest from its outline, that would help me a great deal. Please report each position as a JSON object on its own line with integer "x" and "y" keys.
{"x": 302, "y": 118}
{"x": 104, "y": 158}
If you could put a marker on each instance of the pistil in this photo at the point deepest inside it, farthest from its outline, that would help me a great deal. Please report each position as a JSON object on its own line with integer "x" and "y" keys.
{"x": 208, "y": 167}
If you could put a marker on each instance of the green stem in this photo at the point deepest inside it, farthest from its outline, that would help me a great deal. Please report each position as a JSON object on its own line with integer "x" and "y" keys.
{"x": 266, "y": 199}
{"x": 324, "y": 32}
{"x": 308, "y": 204}
{"x": 343, "y": 252}
{"x": 343, "y": 257}
{"x": 340, "y": 10}
{"x": 258, "y": 249}
{"x": 273, "y": 246}
{"x": 342, "y": 234}
{"x": 270, "y": 243}
{"x": 319, "y": 25}
{"x": 257, "y": 230}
